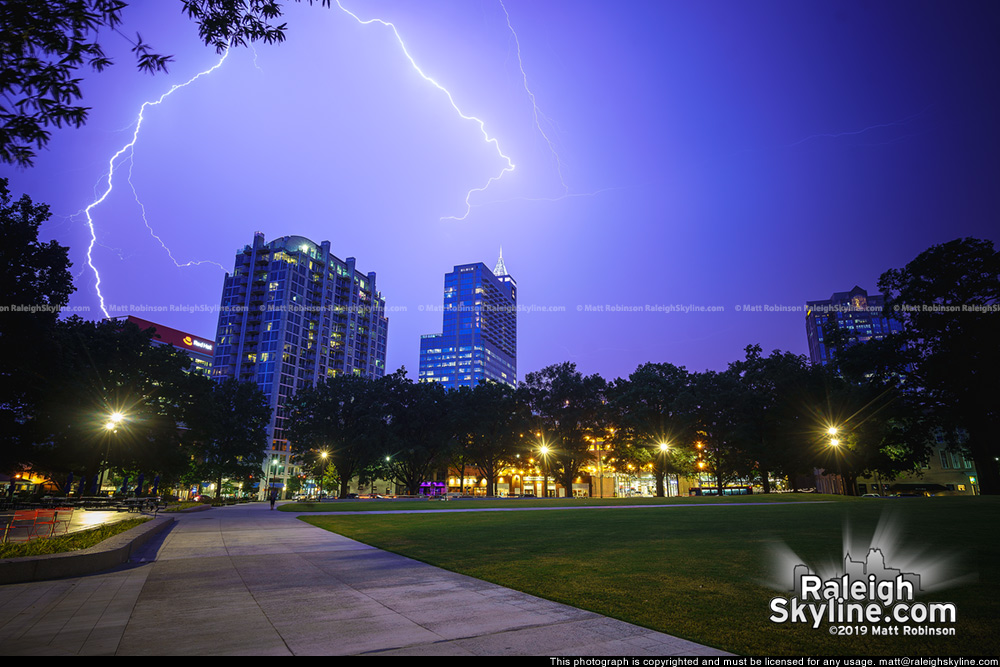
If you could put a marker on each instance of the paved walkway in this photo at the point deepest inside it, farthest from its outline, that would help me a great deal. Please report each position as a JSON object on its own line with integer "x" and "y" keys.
{"x": 244, "y": 580}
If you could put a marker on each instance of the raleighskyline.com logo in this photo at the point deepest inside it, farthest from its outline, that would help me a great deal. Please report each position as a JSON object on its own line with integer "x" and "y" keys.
{"x": 867, "y": 593}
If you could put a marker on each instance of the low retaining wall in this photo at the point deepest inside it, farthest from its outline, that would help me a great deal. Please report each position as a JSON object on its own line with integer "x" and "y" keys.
{"x": 110, "y": 553}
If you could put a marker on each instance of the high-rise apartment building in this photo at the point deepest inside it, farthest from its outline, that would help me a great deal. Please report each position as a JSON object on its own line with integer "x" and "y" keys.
{"x": 856, "y": 313}
{"x": 293, "y": 313}
{"x": 478, "y": 339}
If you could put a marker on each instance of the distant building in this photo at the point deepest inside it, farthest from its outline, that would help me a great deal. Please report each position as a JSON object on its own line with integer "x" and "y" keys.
{"x": 856, "y": 312}
{"x": 201, "y": 350}
{"x": 293, "y": 313}
{"x": 478, "y": 339}
{"x": 946, "y": 473}
{"x": 860, "y": 315}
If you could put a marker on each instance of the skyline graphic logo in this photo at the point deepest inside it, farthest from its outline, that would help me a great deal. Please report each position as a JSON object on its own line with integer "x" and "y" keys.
{"x": 872, "y": 595}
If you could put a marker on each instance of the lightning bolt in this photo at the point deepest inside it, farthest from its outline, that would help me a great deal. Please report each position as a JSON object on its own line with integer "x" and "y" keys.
{"x": 534, "y": 104}
{"x": 142, "y": 209}
{"x": 129, "y": 148}
{"x": 482, "y": 125}
{"x": 851, "y": 133}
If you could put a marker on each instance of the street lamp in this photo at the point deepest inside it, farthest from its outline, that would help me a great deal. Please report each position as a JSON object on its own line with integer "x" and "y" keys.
{"x": 273, "y": 470}
{"x": 115, "y": 419}
{"x": 322, "y": 473}
{"x": 664, "y": 448}
{"x": 544, "y": 451}
{"x": 835, "y": 443}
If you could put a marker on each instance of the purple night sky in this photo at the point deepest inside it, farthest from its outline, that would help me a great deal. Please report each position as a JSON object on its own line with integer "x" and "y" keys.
{"x": 709, "y": 153}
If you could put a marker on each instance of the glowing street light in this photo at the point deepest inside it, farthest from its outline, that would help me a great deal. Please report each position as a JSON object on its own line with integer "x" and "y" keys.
{"x": 835, "y": 443}
{"x": 544, "y": 451}
{"x": 664, "y": 448}
{"x": 323, "y": 455}
{"x": 115, "y": 419}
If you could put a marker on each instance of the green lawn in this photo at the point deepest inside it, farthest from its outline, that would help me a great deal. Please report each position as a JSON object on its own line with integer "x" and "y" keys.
{"x": 696, "y": 572}
{"x": 484, "y": 503}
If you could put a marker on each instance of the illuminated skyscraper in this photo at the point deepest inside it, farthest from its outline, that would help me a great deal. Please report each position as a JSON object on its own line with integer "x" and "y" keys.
{"x": 855, "y": 313}
{"x": 293, "y": 313}
{"x": 478, "y": 339}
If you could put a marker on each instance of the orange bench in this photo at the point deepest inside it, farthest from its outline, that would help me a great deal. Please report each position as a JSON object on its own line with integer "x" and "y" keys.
{"x": 22, "y": 522}
{"x": 45, "y": 520}
{"x": 26, "y": 525}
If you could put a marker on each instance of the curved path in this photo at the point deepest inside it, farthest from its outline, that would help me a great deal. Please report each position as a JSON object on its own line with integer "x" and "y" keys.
{"x": 245, "y": 580}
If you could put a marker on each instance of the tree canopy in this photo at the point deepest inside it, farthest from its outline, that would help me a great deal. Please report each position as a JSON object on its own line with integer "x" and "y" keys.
{"x": 45, "y": 43}
{"x": 35, "y": 283}
{"x": 948, "y": 299}
{"x": 227, "y": 430}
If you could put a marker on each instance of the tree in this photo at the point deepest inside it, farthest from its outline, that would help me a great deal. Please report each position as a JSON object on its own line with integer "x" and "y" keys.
{"x": 228, "y": 429}
{"x": 112, "y": 400}
{"x": 43, "y": 44}
{"x": 418, "y": 429}
{"x": 462, "y": 408}
{"x": 767, "y": 407}
{"x": 948, "y": 299}
{"x": 330, "y": 478}
{"x": 500, "y": 419}
{"x": 567, "y": 408}
{"x": 35, "y": 283}
{"x": 342, "y": 416}
{"x": 646, "y": 411}
{"x": 882, "y": 428}
{"x": 709, "y": 401}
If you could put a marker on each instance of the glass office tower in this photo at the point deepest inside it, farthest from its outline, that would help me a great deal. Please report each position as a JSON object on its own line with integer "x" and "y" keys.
{"x": 478, "y": 339}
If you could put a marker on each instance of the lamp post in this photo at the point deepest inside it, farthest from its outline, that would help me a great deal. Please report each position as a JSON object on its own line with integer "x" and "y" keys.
{"x": 662, "y": 472}
{"x": 272, "y": 471}
{"x": 544, "y": 451}
{"x": 835, "y": 443}
{"x": 115, "y": 419}
{"x": 322, "y": 472}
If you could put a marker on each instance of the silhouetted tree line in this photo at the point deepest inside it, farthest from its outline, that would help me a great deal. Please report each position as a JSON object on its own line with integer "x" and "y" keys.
{"x": 762, "y": 418}
{"x": 62, "y": 380}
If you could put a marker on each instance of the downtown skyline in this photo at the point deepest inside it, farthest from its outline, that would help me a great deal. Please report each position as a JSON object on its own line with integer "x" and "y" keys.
{"x": 717, "y": 156}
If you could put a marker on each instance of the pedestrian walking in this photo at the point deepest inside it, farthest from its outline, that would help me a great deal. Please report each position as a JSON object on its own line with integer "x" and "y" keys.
{"x": 274, "y": 497}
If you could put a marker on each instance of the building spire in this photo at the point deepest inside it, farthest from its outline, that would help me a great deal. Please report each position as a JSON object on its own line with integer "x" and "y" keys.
{"x": 500, "y": 269}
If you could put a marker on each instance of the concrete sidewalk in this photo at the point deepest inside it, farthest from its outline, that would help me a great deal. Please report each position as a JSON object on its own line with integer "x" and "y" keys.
{"x": 245, "y": 580}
